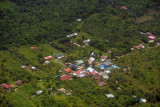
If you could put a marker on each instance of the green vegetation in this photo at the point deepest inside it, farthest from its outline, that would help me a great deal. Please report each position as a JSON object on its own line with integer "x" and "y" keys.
{"x": 112, "y": 31}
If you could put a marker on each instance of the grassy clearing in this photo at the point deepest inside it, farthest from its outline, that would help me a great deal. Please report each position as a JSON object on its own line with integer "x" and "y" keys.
{"x": 144, "y": 19}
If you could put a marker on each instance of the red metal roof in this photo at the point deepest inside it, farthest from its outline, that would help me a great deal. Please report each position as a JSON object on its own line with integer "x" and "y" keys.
{"x": 6, "y": 86}
{"x": 66, "y": 77}
{"x": 48, "y": 57}
{"x": 78, "y": 72}
{"x": 92, "y": 72}
{"x": 68, "y": 70}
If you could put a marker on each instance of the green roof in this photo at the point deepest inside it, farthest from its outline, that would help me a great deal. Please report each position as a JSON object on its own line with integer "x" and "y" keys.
{"x": 80, "y": 61}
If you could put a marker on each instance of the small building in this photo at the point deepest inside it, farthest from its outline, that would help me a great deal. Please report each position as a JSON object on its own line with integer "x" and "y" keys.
{"x": 93, "y": 72}
{"x": 148, "y": 33}
{"x": 19, "y": 82}
{"x": 59, "y": 56}
{"x": 107, "y": 71}
{"x": 33, "y": 67}
{"x": 139, "y": 46}
{"x": 77, "y": 72}
{"x": 79, "y": 20}
{"x": 48, "y": 57}
{"x": 101, "y": 83}
{"x": 46, "y": 62}
{"x": 91, "y": 60}
{"x": 97, "y": 76}
{"x": 32, "y": 48}
{"x": 106, "y": 77}
{"x": 103, "y": 58}
{"x": 68, "y": 70}
{"x": 86, "y": 41}
{"x": 123, "y": 7}
{"x": 23, "y": 66}
{"x": 79, "y": 62}
{"x": 151, "y": 37}
{"x": 110, "y": 95}
{"x": 107, "y": 64}
{"x": 143, "y": 100}
{"x": 114, "y": 66}
{"x": 5, "y": 86}
{"x": 119, "y": 88}
{"x": 39, "y": 92}
{"x": 101, "y": 67}
{"x": 65, "y": 77}
{"x": 90, "y": 69}
{"x": 82, "y": 75}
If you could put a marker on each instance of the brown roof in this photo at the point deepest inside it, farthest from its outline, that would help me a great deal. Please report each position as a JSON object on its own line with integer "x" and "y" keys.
{"x": 97, "y": 76}
{"x": 138, "y": 46}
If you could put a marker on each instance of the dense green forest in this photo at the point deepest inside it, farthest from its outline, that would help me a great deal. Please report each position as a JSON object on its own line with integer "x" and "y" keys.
{"x": 112, "y": 31}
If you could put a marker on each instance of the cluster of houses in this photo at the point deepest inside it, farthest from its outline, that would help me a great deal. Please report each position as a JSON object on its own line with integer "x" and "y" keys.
{"x": 80, "y": 70}
{"x": 7, "y": 86}
{"x": 151, "y": 37}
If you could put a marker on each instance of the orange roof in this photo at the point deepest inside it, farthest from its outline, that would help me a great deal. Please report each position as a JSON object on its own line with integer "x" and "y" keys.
{"x": 78, "y": 72}
{"x": 68, "y": 70}
{"x": 92, "y": 72}
{"x": 48, "y": 57}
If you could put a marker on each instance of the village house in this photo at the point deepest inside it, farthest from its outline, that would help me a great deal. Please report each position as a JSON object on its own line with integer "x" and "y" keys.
{"x": 48, "y": 57}
{"x": 19, "y": 82}
{"x": 101, "y": 83}
{"x": 151, "y": 37}
{"x": 33, "y": 67}
{"x": 148, "y": 33}
{"x": 110, "y": 95}
{"x": 139, "y": 46}
{"x": 103, "y": 58}
{"x": 107, "y": 71}
{"x": 105, "y": 77}
{"x": 91, "y": 60}
{"x": 79, "y": 20}
{"x": 119, "y": 88}
{"x": 86, "y": 42}
{"x": 59, "y": 56}
{"x": 123, "y": 7}
{"x": 79, "y": 62}
{"x": 46, "y": 62}
{"x": 32, "y": 48}
{"x": 77, "y": 72}
{"x": 97, "y": 76}
{"x": 72, "y": 35}
{"x": 65, "y": 77}
{"x": 39, "y": 92}
{"x": 68, "y": 70}
{"x": 5, "y": 86}
{"x": 23, "y": 66}
{"x": 107, "y": 64}
{"x": 143, "y": 100}
{"x": 90, "y": 69}
{"x": 101, "y": 67}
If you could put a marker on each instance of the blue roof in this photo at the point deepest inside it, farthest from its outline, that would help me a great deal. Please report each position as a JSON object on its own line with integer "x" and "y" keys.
{"x": 114, "y": 66}
{"x": 101, "y": 67}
